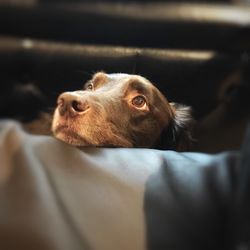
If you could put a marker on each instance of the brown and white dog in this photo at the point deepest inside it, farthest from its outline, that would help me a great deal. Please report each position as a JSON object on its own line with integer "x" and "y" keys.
{"x": 121, "y": 110}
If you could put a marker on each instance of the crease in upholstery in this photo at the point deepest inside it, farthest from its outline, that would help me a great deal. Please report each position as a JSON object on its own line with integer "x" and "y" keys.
{"x": 13, "y": 140}
{"x": 8, "y": 131}
{"x": 66, "y": 215}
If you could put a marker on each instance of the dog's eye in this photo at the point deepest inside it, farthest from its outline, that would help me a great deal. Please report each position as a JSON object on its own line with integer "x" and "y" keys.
{"x": 139, "y": 101}
{"x": 89, "y": 86}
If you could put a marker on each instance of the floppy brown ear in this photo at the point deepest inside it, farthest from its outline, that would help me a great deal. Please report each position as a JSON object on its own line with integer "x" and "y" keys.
{"x": 177, "y": 135}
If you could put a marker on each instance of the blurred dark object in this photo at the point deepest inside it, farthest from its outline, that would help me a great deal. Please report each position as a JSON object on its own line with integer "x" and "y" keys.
{"x": 127, "y": 1}
{"x": 164, "y": 25}
{"x": 145, "y": 1}
{"x": 24, "y": 101}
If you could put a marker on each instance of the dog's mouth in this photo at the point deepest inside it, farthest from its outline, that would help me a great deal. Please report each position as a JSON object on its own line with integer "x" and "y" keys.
{"x": 66, "y": 134}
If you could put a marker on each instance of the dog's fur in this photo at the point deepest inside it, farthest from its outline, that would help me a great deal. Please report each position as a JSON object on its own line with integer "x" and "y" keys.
{"x": 121, "y": 110}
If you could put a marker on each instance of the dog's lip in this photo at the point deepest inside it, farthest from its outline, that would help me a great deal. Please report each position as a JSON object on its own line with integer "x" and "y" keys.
{"x": 59, "y": 128}
{"x": 67, "y": 130}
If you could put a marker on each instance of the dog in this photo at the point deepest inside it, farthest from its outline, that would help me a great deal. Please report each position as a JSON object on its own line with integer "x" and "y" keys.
{"x": 121, "y": 110}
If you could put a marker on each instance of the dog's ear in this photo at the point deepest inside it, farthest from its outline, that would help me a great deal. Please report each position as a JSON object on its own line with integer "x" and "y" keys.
{"x": 177, "y": 135}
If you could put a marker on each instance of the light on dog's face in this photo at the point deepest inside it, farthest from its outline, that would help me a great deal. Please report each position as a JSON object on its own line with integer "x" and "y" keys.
{"x": 113, "y": 110}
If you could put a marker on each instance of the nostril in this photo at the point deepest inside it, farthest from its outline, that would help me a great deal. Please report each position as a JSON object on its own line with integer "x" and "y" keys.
{"x": 61, "y": 106}
{"x": 78, "y": 106}
{"x": 60, "y": 102}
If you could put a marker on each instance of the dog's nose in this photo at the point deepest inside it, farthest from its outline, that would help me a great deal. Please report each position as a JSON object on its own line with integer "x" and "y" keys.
{"x": 71, "y": 103}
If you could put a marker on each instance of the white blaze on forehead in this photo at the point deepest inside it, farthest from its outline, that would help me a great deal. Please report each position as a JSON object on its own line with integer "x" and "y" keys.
{"x": 76, "y": 94}
{"x": 114, "y": 76}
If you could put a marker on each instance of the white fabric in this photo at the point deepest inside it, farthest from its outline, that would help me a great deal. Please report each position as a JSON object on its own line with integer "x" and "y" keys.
{"x": 53, "y": 191}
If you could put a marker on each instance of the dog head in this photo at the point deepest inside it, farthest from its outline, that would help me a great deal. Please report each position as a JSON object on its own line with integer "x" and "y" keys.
{"x": 121, "y": 110}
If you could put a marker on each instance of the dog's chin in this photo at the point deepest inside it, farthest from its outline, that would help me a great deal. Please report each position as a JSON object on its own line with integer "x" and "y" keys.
{"x": 71, "y": 140}
{"x": 70, "y": 137}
